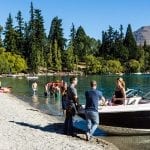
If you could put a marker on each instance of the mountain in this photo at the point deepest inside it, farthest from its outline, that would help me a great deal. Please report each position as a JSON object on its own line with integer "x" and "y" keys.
{"x": 142, "y": 34}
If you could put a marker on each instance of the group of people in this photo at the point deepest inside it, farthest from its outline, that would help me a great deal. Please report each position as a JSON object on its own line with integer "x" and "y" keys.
{"x": 70, "y": 103}
{"x": 93, "y": 96}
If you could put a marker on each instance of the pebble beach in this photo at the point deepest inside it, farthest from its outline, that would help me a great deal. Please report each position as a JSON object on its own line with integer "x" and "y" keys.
{"x": 24, "y": 127}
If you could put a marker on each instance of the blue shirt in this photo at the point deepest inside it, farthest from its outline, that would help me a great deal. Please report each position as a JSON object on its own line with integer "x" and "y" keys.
{"x": 92, "y": 97}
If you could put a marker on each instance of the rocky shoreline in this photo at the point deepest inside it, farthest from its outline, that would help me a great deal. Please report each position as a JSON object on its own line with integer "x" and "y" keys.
{"x": 26, "y": 128}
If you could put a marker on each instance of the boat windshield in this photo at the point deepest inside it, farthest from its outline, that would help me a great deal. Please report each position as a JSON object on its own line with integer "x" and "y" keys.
{"x": 133, "y": 92}
{"x": 147, "y": 96}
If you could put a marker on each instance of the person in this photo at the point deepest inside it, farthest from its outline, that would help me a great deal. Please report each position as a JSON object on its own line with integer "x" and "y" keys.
{"x": 119, "y": 96}
{"x": 93, "y": 96}
{"x": 72, "y": 99}
{"x": 0, "y": 84}
{"x": 57, "y": 92}
{"x": 34, "y": 87}
{"x": 64, "y": 97}
{"x": 46, "y": 90}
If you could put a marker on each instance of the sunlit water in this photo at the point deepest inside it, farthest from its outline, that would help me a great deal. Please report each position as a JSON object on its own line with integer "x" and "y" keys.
{"x": 106, "y": 83}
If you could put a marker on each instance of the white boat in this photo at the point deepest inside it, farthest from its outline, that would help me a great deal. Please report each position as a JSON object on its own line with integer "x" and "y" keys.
{"x": 32, "y": 77}
{"x": 130, "y": 118}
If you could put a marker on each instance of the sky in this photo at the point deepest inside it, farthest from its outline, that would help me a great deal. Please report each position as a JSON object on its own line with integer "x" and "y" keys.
{"x": 94, "y": 16}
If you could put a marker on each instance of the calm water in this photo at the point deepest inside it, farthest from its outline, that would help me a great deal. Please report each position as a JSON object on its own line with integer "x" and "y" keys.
{"x": 106, "y": 83}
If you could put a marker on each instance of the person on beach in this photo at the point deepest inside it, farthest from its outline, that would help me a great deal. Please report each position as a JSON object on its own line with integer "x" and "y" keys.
{"x": 93, "y": 96}
{"x": 72, "y": 100}
{"x": 119, "y": 96}
{"x": 34, "y": 87}
{"x": 64, "y": 97}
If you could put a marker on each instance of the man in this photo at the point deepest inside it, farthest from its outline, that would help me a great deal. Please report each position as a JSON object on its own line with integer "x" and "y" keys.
{"x": 91, "y": 109}
{"x": 72, "y": 99}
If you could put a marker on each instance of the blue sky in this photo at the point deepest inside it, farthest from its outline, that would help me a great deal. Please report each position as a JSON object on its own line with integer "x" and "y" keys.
{"x": 93, "y": 15}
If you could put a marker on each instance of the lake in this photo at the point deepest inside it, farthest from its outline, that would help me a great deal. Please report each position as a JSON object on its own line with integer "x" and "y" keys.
{"x": 106, "y": 83}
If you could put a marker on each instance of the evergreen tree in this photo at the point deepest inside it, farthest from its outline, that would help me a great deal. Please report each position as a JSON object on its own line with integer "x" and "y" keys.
{"x": 35, "y": 34}
{"x": 56, "y": 41}
{"x": 72, "y": 35}
{"x": 107, "y": 49}
{"x": 20, "y": 32}
{"x": 1, "y": 30}
{"x": 40, "y": 36}
{"x": 56, "y": 33}
{"x": 130, "y": 43}
{"x": 26, "y": 48}
{"x": 70, "y": 61}
{"x": 80, "y": 43}
{"x": 56, "y": 57}
{"x": 10, "y": 36}
{"x": 121, "y": 37}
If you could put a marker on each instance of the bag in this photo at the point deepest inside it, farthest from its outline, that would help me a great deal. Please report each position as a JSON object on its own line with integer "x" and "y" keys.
{"x": 71, "y": 109}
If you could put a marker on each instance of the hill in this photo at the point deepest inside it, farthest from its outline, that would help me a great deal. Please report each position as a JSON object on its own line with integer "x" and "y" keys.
{"x": 142, "y": 34}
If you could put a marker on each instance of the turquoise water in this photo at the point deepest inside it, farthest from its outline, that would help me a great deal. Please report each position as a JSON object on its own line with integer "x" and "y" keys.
{"x": 106, "y": 83}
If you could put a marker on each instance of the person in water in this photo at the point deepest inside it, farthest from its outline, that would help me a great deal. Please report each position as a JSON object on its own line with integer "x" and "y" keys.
{"x": 34, "y": 87}
{"x": 119, "y": 96}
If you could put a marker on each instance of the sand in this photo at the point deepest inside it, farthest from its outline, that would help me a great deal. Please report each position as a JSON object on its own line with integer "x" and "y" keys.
{"x": 23, "y": 127}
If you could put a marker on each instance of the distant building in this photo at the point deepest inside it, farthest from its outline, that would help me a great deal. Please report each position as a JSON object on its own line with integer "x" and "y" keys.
{"x": 142, "y": 34}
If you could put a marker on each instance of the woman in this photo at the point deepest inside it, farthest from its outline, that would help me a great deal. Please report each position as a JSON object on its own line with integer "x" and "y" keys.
{"x": 120, "y": 95}
{"x": 64, "y": 97}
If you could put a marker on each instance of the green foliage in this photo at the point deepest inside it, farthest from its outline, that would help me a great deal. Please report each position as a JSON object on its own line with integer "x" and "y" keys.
{"x": 19, "y": 33}
{"x": 1, "y": 42}
{"x": 116, "y": 53}
{"x": 130, "y": 44}
{"x": 56, "y": 33}
{"x": 10, "y": 36}
{"x": 134, "y": 66}
{"x": 112, "y": 66}
{"x": 11, "y": 63}
{"x": 93, "y": 65}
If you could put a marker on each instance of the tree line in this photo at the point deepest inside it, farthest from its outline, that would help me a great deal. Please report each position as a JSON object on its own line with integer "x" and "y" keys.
{"x": 27, "y": 48}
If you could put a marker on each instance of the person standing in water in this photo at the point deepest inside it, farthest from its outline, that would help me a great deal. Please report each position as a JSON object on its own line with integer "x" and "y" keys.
{"x": 34, "y": 87}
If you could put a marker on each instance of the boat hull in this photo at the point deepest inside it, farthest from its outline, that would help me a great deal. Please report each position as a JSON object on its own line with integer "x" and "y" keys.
{"x": 135, "y": 117}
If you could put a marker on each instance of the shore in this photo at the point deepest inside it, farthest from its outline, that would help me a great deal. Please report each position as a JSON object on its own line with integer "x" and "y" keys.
{"x": 26, "y": 128}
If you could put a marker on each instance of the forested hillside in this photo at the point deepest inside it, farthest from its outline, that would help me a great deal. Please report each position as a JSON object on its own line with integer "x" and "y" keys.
{"x": 26, "y": 47}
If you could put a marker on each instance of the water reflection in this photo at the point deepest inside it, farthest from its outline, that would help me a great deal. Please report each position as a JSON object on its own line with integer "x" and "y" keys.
{"x": 50, "y": 104}
{"x": 35, "y": 100}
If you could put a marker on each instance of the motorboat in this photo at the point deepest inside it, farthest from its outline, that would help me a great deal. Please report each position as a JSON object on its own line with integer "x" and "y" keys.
{"x": 132, "y": 117}
{"x": 32, "y": 77}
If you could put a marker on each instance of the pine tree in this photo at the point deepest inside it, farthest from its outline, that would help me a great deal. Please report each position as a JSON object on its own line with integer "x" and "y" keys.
{"x": 56, "y": 41}
{"x": 56, "y": 33}
{"x": 1, "y": 30}
{"x": 80, "y": 43}
{"x": 72, "y": 35}
{"x": 130, "y": 43}
{"x": 40, "y": 36}
{"x": 35, "y": 33}
{"x": 19, "y": 31}
{"x": 10, "y": 36}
